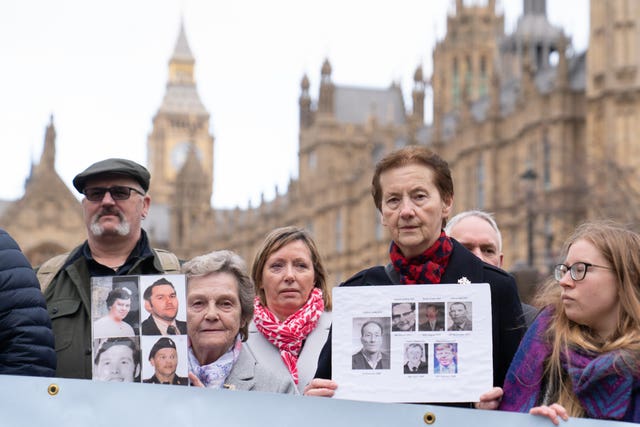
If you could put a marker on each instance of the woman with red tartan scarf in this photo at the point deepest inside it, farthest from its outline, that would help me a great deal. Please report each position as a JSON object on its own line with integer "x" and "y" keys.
{"x": 413, "y": 190}
{"x": 291, "y": 317}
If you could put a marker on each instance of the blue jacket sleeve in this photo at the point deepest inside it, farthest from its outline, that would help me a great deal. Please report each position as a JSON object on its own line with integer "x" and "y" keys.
{"x": 26, "y": 338}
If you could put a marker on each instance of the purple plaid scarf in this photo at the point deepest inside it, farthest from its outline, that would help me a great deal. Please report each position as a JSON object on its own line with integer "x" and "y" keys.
{"x": 604, "y": 384}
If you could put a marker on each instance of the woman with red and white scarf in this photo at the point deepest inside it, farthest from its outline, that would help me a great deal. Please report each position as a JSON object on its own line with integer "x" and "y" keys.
{"x": 291, "y": 313}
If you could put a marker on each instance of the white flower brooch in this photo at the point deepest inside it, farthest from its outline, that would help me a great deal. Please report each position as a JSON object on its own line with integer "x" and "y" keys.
{"x": 464, "y": 281}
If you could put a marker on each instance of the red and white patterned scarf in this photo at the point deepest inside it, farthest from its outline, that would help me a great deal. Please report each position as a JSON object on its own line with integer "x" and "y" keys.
{"x": 289, "y": 335}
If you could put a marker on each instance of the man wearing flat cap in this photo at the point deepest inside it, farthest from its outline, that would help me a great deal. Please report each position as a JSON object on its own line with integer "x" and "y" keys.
{"x": 115, "y": 203}
{"x": 164, "y": 359}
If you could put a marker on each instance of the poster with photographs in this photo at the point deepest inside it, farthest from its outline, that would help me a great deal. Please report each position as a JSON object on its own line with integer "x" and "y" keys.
{"x": 139, "y": 329}
{"x": 412, "y": 343}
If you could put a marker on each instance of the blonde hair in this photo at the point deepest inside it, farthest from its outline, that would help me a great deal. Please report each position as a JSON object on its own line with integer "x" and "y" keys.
{"x": 279, "y": 238}
{"x": 621, "y": 249}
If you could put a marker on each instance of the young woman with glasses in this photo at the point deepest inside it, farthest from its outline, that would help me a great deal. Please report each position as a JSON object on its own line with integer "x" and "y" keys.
{"x": 581, "y": 356}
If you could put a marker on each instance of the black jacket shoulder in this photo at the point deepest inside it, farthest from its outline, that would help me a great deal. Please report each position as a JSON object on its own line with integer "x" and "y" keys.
{"x": 374, "y": 276}
{"x": 26, "y": 337}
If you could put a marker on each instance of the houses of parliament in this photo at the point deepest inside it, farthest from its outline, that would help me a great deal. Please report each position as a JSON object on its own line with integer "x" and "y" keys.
{"x": 539, "y": 136}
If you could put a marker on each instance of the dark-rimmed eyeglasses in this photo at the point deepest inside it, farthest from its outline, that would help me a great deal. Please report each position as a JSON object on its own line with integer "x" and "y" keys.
{"x": 577, "y": 270}
{"x": 118, "y": 192}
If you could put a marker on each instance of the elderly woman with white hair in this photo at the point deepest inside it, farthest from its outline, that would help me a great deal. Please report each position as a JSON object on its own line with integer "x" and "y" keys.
{"x": 220, "y": 297}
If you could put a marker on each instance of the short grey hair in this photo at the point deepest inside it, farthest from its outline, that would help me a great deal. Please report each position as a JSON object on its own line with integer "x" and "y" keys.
{"x": 225, "y": 261}
{"x": 488, "y": 217}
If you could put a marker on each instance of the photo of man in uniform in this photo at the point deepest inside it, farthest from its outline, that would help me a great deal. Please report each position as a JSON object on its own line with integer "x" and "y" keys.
{"x": 164, "y": 359}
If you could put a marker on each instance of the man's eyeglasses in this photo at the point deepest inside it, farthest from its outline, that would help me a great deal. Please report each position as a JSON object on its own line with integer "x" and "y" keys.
{"x": 577, "y": 270}
{"x": 118, "y": 192}
{"x": 399, "y": 315}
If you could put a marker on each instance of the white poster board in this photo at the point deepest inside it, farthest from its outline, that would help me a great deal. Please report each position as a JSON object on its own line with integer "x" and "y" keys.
{"x": 417, "y": 357}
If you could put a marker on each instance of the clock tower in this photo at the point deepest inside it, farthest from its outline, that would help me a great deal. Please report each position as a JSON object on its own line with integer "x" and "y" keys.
{"x": 180, "y": 125}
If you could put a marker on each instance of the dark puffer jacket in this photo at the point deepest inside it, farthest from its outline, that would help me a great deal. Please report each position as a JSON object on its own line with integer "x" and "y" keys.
{"x": 26, "y": 339}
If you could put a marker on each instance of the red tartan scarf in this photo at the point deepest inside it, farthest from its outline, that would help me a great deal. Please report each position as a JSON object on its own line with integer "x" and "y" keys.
{"x": 289, "y": 335}
{"x": 426, "y": 267}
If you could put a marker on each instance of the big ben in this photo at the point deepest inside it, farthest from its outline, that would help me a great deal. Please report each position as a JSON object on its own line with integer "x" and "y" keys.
{"x": 181, "y": 125}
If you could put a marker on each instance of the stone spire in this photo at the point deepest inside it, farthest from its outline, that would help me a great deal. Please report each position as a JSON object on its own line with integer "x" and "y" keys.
{"x": 48, "y": 157}
{"x": 418, "y": 95}
{"x": 182, "y": 96}
{"x": 306, "y": 117}
{"x": 535, "y": 7}
{"x": 325, "y": 103}
{"x": 182, "y": 62}
{"x": 562, "y": 72}
{"x": 182, "y": 51}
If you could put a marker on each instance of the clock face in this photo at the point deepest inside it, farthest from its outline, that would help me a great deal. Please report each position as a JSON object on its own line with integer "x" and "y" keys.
{"x": 181, "y": 151}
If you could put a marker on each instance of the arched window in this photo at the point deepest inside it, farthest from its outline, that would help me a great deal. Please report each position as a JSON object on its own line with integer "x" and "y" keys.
{"x": 480, "y": 183}
{"x": 313, "y": 160}
{"x": 482, "y": 89}
{"x": 468, "y": 77}
{"x": 338, "y": 232}
{"x": 546, "y": 160}
{"x": 456, "y": 83}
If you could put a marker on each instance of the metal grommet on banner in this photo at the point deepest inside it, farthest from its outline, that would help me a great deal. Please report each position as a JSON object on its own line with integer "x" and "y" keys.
{"x": 429, "y": 418}
{"x": 53, "y": 389}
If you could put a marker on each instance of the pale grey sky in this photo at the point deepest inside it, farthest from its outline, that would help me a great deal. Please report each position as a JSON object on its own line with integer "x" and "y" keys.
{"x": 101, "y": 69}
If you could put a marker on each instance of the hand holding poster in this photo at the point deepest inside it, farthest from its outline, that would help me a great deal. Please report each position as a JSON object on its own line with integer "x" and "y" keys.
{"x": 412, "y": 343}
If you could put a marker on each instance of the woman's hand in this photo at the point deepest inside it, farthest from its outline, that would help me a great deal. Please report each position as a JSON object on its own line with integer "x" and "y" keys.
{"x": 490, "y": 399}
{"x": 552, "y": 412}
{"x": 320, "y": 387}
{"x": 195, "y": 381}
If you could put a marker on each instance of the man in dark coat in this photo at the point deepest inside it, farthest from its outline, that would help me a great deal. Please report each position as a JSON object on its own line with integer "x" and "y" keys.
{"x": 477, "y": 231}
{"x": 115, "y": 203}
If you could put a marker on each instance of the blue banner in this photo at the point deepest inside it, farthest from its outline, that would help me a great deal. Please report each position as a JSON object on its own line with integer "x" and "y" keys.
{"x": 32, "y": 401}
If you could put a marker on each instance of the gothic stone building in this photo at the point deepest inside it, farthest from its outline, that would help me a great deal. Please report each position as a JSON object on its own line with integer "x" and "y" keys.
{"x": 538, "y": 134}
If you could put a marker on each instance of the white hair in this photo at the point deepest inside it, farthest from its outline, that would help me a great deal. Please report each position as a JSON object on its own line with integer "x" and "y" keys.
{"x": 488, "y": 217}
